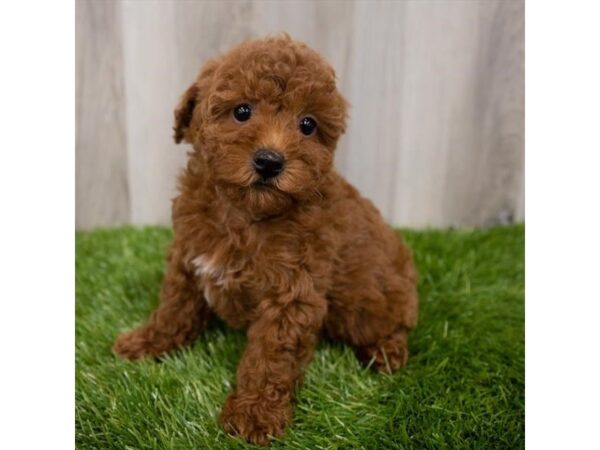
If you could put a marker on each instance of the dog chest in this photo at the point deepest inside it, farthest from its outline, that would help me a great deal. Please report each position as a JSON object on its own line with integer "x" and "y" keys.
{"x": 234, "y": 281}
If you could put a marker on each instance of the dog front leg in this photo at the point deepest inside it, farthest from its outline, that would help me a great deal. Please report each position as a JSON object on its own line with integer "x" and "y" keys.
{"x": 180, "y": 317}
{"x": 280, "y": 343}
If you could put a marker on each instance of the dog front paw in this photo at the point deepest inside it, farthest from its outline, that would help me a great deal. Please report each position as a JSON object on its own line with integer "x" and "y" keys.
{"x": 255, "y": 419}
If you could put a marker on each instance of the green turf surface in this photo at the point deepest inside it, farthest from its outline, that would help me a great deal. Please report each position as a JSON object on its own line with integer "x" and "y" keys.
{"x": 463, "y": 386}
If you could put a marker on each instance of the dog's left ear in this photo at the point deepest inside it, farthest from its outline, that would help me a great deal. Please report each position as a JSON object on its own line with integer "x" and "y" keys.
{"x": 184, "y": 113}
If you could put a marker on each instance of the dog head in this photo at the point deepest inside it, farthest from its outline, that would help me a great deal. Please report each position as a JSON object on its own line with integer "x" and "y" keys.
{"x": 265, "y": 119}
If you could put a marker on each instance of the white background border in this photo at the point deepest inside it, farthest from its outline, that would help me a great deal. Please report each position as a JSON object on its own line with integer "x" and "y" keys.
{"x": 563, "y": 224}
{"x": 37, "y": 370}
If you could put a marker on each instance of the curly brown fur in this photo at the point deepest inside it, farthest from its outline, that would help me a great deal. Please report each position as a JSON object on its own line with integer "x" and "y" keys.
{"x": 287, "y": 259}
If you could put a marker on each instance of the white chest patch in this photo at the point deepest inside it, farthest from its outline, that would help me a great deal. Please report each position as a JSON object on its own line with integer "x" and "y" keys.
{"x": 217, "y": 276}
{"x": 207, "y": 296}
{"x": 206, "y": 268}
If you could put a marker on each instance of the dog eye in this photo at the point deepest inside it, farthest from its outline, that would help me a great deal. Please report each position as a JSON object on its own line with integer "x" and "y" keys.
{"x": 307, "y": 126}
{"x": 242, "y": 112}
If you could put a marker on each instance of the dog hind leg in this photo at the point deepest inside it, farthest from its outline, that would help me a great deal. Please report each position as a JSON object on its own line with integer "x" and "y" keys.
{"x": 388, "y": 354}
{"x": 177, "y": 321}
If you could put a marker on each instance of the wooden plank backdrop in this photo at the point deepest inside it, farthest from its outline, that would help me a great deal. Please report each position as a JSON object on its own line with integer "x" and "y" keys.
{"x": 436, "y": 133}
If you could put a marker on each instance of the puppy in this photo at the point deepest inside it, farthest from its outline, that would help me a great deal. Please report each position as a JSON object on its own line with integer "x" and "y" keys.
{"x": 270, "y": 238}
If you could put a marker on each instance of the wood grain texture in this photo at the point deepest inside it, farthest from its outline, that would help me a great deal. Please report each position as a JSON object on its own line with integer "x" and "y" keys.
{"x": 101, "y": 180}
{"x": 436, "y": 133}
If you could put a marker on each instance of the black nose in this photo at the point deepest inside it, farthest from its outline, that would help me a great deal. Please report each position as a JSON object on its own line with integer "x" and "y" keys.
{"x": 267, "y": 163}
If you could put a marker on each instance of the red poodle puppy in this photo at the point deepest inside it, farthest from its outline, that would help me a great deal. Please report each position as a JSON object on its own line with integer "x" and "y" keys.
{"x": 271, "y": 238}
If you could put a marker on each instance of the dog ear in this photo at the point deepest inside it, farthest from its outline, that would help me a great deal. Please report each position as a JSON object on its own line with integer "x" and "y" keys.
{"x": 190, "y": 99}
{"x": 184, "y": 113}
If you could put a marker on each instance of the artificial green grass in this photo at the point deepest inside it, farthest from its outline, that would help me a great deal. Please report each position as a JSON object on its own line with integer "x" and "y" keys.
{"x": 463, "y": 386}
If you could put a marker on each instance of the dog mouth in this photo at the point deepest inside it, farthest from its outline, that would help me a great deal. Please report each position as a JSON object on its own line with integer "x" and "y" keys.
{"x": 266, "y": 184}
{"x": 268, "y": 190}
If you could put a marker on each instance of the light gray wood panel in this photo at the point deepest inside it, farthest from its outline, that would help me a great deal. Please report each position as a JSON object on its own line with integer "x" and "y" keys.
{"x": 151, "y": 74}
{"x": 373, "y": 81}
{"x": 436, "y": 128}
{"x": 485, "y": 168}
{"x": 165, "y": 44}
{"x": 101, "y": 154}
